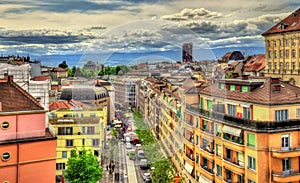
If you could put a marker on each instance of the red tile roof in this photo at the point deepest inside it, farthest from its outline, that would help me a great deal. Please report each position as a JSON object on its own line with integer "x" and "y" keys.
{"x": 264, "y": 94}
{"x": 59, "y": 69}
{"x": 290, "y": 23}
{"x": 14, "y": 98}
{"x": 64, "y": 104}
{"x": 41, "y": 78}
{"x": 255, "y": 63}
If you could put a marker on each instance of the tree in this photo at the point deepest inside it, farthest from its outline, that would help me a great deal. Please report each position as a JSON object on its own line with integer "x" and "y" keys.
{"x": 63, "y": 65}
{"x": 83, "y": 167}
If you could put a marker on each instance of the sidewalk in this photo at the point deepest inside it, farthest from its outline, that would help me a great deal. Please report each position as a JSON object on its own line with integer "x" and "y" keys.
{"x": 131, "y": 171}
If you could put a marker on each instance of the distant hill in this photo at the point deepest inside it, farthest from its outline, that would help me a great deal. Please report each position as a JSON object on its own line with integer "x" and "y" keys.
{"x": 119, "y": 58}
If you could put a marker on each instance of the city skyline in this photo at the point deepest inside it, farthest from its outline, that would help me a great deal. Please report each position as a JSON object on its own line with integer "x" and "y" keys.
{"x": 72, "y": 27}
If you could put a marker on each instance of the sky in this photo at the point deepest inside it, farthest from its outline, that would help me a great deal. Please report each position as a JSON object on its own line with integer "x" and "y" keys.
{"x": 46, "y": 27}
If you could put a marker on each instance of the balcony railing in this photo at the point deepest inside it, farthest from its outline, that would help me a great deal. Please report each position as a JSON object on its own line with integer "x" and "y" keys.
{"x": 189, "y": 156}
{"x": 29, "y": 135}
{"x": 238, "y": 163}
{"x": 245, "y": 123}
{"x": 237, "y": 140}
{"x": 286, "y": 173}
{"x": 285, "y": 149}
{"x": 205, "y": 167}
{"x": 207, "y": 149}
{"x": 205, "y": 129}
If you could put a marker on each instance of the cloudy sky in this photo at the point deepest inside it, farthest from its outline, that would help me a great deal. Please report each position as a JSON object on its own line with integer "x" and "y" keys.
{"x": 80, "y": 26}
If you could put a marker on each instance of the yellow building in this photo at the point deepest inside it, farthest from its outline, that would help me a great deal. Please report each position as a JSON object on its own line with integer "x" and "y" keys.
{"x": 283, "y": 49}
{"x": 244, "y": 131}
{"x": 235, "y": 130}
{"x": 77, "y": 126}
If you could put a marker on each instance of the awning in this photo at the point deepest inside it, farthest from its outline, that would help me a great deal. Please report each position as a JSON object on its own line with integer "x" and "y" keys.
{"x": 231, "y": 130}
{"x": 188, "y": 167}
{"x": 203, "y": 179}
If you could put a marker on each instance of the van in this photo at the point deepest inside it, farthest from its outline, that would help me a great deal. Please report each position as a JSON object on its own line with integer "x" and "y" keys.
{"x": 127, "y": 139}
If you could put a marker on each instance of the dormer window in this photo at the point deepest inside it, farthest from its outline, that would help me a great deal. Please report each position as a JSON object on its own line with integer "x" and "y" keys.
{"x": 244, "y": 89}
{"x": 222, "y": 86}
{"x": 283, "y": 26}
{"x": 232, "y": 87}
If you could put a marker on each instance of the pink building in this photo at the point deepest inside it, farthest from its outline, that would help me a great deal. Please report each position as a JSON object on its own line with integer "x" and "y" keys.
{"x": 27, "y": 145}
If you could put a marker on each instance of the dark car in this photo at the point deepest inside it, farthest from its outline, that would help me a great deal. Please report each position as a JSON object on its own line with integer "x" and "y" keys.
{"x": 148, "y": 180}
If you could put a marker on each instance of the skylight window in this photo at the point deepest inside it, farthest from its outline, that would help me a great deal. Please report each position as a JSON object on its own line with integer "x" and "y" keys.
{"x": 293, "y": 24}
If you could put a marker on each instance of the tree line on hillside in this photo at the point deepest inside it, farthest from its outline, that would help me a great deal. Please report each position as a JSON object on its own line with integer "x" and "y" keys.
{"x": 108, "y": 70}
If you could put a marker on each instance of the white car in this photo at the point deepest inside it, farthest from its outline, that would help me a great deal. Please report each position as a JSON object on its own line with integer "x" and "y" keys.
{"x": 128, "y": 146}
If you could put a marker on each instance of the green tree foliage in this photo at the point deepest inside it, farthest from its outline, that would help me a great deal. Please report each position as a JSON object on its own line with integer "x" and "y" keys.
{"x": 63, "y": 65}
{"x": 83, "y": 167}
{"x": 164, "y": 171}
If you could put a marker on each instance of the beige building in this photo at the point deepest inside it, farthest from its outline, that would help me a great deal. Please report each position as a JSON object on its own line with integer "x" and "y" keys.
{"x": 283, "y": 49}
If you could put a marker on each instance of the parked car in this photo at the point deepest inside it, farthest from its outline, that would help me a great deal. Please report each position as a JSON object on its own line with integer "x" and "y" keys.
{"x": 140, "y": 154}
{"x": 131, "y": 154}
{"x": 148, "y": 180}
{"x": 144, "y": 164}
{"x": 128, "y": 146}
{"x": 138, "y": 148}
{"x": 146, "y": 176}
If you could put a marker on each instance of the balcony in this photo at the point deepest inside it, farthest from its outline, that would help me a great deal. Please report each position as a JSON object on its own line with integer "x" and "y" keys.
{"x": 208, "y": 150}
{"x": 206, "y": 130}
{"x": 286, "y": 176}
{"x": 190, "y": 159}
{"x": 259, "y": 126}
{"x": 288, "y": 152}
{"x": 27, "y": 136}
{"x": 235, "y": 166}
{"x": 207, "y": 172}
{"x": 237, "y": 143}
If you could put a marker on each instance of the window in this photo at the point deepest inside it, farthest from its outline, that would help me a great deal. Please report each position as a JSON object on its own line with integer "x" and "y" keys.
{"x": 275, "y": 53}
{"x": 231, "y": 109}
{"x": 219, "y": 171}
{"x": 281, "y": 115}
{"x": 286, "y": 165}
{"x": 298, "y": 112}
{"x": 287, "y": 66}
{"x": 219, "y": 150}
{"x": 202, "y": 103}
{"x": 228, "y": 175}
{"x": 246, "y": 113}
{"x": 204, "y": 143}
{"x": 280, "y": 66}
{"x": 287, "y": 53}
{"x": 92, "y": 115}
{"x": 5, "y": 156}
{"x": 293, "y": 53}
{"x": 270, "y": 65}
{"x": 83, "y": 142}
{"x": 275, "y": 65}
{"x": 293, "y": 41}
{"x": 293, "y": 65}
{"x": 275, "y": 43}
{"x": 280, "y": 42}
{"x": 5, "y": 125}
{"x": 96, "y": 153}
{"x": 269, "y": 54}
{"x": 286, "y": 42}
{"x": 244, "y": 88}
{"x": 69, "y": 143}
{"x": 285, "y": 142}
{"x": 251, "y": 163}
{"x": 90, "y": 130}
{"x": 280, "y": 53}
{"x": 232, "y": 87}
{"x": 222, "y": 86}
{"x": 240, "y": 158}
{"x": 64, "y": 154}
{"x": 240, "y": 178}
{"x": 60, "y": 166}
{"x": 219, "y": 130}
{"x": 197, "y": 158}
{"x": 65, "y": 130}
{"x": 209, "y": 104}
{"x": 197, "y": 122}
{"x": 250, "y": 181}
{"x": 251, "y": 140}
{"x": 95, "y": 142}
{"x": 228, "y": 154}
{"x": 197, "y": 140}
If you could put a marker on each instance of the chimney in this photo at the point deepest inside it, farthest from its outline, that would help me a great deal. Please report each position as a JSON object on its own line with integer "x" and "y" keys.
{"x": 245, "y": 77}
{"x": 274, "y": 80}
{"x": 10, "y": 78}
{"x": 235, "y": 75}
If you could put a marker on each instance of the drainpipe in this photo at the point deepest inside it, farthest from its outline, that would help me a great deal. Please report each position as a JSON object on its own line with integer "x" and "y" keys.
{"x": 18, "y": 148}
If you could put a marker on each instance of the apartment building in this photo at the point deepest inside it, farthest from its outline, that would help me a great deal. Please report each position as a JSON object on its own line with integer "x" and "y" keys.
{"x": 125, "y": 90}
{"x": 282, "y": 49}
{"x": 27, "y": 141}
{"x": 243, "y": 130}
{"x": 77, "y": 125}
{"x": 235, "y": 130}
